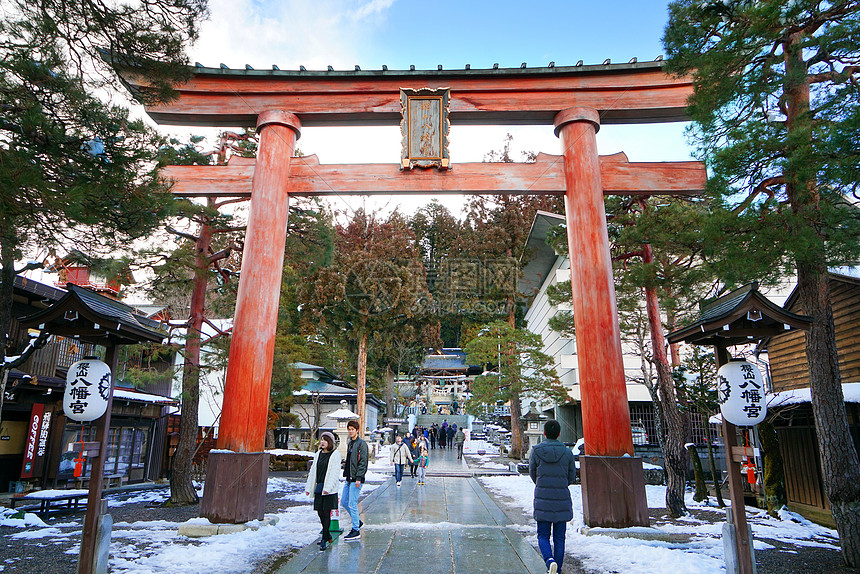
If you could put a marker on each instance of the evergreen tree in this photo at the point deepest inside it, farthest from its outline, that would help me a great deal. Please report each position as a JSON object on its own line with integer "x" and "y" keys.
{"x": 75, "y": 169}
{"x": 376, "y": 280}
{"x": 776, "y": 111}
{"x": 521, "y": 368}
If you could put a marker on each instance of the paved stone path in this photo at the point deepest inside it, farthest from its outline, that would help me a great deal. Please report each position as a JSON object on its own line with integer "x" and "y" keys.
{"x": 448, "y": 526}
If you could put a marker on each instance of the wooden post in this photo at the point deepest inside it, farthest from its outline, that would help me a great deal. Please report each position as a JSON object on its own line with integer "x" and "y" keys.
{"x": 236, "y": 481}
{"x": 605, "y": 412}
{"x": 249, "y": 369}
{"x": 89, "y": 537}
{"x": 736, "y": 488}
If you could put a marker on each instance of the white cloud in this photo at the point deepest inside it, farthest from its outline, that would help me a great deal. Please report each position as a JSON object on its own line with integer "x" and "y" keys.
{"x": 287, "y": 33}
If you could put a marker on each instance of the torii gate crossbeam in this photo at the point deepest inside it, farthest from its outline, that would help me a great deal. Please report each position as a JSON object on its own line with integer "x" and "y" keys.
{"x": 575, "y": 100}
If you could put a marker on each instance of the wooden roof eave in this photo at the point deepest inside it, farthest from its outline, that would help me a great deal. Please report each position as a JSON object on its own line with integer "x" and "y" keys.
{"x": 712, "y": 330}
{"x": 53, "y": 321}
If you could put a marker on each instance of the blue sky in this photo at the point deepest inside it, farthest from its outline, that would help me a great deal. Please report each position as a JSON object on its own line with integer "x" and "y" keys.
{"x": 399, "y": 33}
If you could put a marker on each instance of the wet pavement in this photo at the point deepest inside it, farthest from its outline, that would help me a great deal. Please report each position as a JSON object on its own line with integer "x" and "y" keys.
{"x": 450, "y": 525}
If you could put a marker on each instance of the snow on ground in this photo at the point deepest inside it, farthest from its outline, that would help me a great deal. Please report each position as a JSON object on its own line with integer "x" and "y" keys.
{"x": 703, "y": 554}
{"x": 154, "y": 546}
{"x": 471, "y": 449}
{"x": 157, "y": 548}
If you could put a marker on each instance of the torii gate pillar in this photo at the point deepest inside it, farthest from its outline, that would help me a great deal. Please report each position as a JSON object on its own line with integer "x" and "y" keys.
{"x": 613, "y": 483}
{"x": 236, "y": 481}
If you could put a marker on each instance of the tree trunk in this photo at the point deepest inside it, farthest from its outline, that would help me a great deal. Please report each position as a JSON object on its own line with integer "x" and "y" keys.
{"x": 7, "y": 286}
{"x": 361, "y": 381}
{"x": 715, "y": 476}
{"x": 839, "y": 461}
{"x": 701, "y": 488}
{"x": 181, "y": 488}
{"x": 516, "y": 430}
{"x": 774, "y": 475}
{"x": 674, "y": 454}
{"x": 389, "y": 391}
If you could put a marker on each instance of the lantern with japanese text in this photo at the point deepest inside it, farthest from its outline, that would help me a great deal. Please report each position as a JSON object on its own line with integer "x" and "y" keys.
{"x": 89, "y": 385}
{"x": 740, "y": 390}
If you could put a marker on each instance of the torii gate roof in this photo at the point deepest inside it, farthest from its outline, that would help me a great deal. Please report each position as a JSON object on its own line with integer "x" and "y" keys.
{"x": 635, "y": 92}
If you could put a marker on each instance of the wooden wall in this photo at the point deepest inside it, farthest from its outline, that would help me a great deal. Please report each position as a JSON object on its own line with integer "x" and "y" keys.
{"x": 787, "y": 352}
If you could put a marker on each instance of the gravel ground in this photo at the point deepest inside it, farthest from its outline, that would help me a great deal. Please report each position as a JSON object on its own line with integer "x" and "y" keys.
{"x": 56, "y": 552}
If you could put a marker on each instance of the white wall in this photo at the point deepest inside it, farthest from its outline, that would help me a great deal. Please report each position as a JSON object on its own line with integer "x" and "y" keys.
{"x": 563, "y": 349}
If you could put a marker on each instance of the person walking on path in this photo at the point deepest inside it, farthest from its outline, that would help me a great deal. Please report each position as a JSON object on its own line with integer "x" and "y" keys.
{"x": 423, "y": 463}
{"x": 459, "y": 439}
{"x": 400, "y": 455}
{"x": 323, "y": 482}
{"x": 354, "y": 471}
{"x": 423, "y": 443}
{"x": 433, "y": 436}
{"x": 552, "y": 469}
{"x": 415, "y": 451}
{"x": 450, "y": 431}
{"x": 443, "y": 435}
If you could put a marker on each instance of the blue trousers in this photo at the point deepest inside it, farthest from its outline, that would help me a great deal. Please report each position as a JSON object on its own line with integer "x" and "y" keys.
{"x": 398, "y": 472}
{"x": 556, "y": 551}
{"x": 349, "y": 500}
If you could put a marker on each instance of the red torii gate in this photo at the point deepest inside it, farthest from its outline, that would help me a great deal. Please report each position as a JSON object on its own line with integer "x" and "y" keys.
{"x": 575, "y": 100}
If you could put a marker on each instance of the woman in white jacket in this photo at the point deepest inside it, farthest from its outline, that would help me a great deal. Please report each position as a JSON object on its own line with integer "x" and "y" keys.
{"x": 323, "y": 483}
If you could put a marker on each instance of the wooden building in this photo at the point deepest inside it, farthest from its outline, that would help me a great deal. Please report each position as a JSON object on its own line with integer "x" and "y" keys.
{"x": 794, "y": 422}
{"x": 33, "y": 424}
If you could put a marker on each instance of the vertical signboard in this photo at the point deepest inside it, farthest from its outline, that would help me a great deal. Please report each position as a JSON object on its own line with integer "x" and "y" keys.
{"x": 34, "y": 425}
{"x": 424, "y": 127}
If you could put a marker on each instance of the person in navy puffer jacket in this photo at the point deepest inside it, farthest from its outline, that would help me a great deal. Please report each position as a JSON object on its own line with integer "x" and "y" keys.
{"x": 552, "y": 469}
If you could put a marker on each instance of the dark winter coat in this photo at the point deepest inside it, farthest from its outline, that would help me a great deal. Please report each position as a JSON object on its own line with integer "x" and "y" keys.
{"x": 356, "y": 460}
{"x": 552, "y": 469}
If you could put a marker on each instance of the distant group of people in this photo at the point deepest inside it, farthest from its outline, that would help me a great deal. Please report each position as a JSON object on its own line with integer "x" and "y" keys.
{"x": 444, "y": 435}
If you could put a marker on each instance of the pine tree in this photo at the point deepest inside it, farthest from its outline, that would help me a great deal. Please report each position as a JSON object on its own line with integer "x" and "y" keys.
{"x": 776, "y": 111}
{"x": 75, "y": 169}
{"x": 521, "y": 368}
{"x": 375, "y": 281}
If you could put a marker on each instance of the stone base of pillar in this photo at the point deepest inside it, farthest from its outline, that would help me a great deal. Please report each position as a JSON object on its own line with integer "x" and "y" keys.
{"x": 235, "y": 489}
{"x": 613, "y": 491}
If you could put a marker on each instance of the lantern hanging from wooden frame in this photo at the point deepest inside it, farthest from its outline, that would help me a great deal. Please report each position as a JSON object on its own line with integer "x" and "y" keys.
{"x": 741, "y": 393}
{"x": 89, "y": 385}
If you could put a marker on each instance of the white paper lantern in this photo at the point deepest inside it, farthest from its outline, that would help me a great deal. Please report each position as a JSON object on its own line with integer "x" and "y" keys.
{"x": 89, "y": 385}
{"x": 740, "y": 390}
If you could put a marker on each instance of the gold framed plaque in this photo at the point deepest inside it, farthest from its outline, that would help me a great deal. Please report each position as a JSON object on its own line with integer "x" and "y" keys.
{"x": 424, "y": 127}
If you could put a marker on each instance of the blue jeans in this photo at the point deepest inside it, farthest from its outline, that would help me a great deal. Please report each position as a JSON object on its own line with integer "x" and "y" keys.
{"x": 398, "y": 472}
{"x": 543, "y": 532}
{"x": 349, "y": 500}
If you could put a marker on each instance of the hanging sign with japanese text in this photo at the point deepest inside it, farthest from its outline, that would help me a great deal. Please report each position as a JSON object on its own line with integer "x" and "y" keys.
{"x": 740, "y": 390}
{"x": 34, "y": 425}
{"x": 424, "y": 127}
{"x": 89, "y": 385}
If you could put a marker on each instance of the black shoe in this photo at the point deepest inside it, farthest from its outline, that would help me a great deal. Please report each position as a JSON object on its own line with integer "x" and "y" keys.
{"x": 354, "y": 535}
{"x": 360, "y": 523}
{"x": 323, "y": 545}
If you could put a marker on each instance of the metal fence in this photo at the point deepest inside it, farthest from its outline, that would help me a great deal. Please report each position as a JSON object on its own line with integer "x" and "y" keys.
{"x": 643, "y": 416}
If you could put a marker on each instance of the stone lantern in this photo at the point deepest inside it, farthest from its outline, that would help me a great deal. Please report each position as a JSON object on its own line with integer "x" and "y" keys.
{"x": 534, "y": 428}
{"x": 342, "y": 415}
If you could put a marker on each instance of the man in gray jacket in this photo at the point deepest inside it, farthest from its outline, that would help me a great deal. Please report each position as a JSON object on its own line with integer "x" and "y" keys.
{"x": 354, "y": 470}
{"x": 552, "y": 469}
